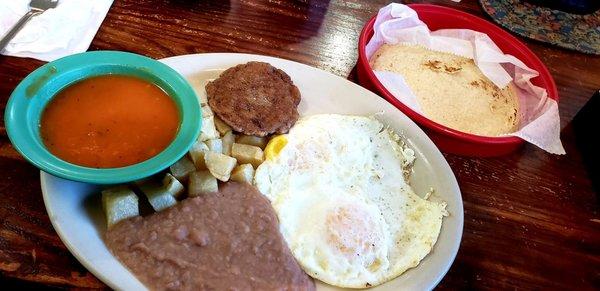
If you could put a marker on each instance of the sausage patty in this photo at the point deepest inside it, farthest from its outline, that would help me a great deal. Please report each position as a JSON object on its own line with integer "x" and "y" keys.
{"x": 255, "y": 99}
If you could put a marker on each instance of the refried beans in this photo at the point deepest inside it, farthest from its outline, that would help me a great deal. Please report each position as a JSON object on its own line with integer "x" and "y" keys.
{"x": 227, "y": 240}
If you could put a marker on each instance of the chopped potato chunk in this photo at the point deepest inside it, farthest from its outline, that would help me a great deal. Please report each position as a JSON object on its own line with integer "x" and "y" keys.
{"x": 206, "y": 111}
{"x": 197, "y": 154}
{"x": 247, "y": 154}
{"x": 202, "y": 96}
{"x": 243, "y": 173}
{"x": 158, "y": 196}
{"x": 202, "y": 182}
{"x": 221, "y": 126}
{"x": 215, "y": 145}
{"x": 182, "y": 168}
{"x": 173, "y": 185}
{"x": 208, "y": 130}
{"x": 228, "y": 140}
{"x": 219, "y": 165}
{"x": 119, "y": 203}
{"x": 257, "y": 141}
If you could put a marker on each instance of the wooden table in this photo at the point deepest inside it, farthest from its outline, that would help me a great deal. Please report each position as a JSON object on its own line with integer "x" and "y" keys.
{"x": 531, "y": 218}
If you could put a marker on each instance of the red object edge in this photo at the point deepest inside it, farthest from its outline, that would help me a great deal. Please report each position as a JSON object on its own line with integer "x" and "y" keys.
{"x": 447, "y": 139}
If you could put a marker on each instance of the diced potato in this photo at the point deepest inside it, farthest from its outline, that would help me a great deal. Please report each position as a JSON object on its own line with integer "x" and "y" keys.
{"x": 258, "y": 141}
{"x": 197, "y": 154}
{"x": 208, "y": 130}
{"x": 228, "y": 140}
{"x": 247, "y": 154}
{"x": 119, "y": 203}
{"x": 173, "y": 185}
{"x": 182, "y": 168}
{"x": 221, "y": 126}
{"x": 206, "y": 111}
{"x": 158, "y": 196}
{"x": 219, "y": 165}
{"x": 202, "y": 182}
{"x": 202, "y": 96}
{"x": 243, "y": 173}
{"x": 215, "y": 145}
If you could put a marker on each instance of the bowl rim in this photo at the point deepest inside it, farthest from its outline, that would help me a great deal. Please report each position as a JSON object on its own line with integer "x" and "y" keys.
{"x": 365, "y": 36}
{"x": 74, "y": 68}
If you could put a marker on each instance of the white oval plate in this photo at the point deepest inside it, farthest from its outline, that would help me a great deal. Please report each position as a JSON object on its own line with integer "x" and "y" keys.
{"x": 75, "y": 211}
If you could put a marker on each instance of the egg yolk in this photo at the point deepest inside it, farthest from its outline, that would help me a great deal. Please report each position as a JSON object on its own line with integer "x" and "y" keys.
{"x": 275, "y": 146}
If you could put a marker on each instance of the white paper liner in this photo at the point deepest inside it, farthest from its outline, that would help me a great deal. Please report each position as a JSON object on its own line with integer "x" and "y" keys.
{"x": 539, "y": 118}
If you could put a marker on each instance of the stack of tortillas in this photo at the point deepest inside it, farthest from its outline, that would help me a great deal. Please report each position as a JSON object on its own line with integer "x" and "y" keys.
{"x": 451, "y": 90}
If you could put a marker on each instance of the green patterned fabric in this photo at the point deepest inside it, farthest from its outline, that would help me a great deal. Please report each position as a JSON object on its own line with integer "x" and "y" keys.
{"x": 571, "y": 31}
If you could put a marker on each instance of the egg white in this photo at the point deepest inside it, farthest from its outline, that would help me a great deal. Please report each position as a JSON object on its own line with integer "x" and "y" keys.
{"x": 338, "y": 235}
{"x": 344, "y": 206}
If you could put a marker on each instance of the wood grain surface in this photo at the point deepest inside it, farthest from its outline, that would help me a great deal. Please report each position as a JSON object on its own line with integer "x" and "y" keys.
{"x": 531, "y": 218}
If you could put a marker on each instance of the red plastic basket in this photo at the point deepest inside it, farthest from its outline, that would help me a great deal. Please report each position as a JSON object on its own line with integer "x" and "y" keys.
{"x": 447, "y": 139}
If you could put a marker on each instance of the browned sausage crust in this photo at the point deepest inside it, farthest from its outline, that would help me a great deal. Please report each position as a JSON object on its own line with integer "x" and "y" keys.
{"x": 255, "y": 98}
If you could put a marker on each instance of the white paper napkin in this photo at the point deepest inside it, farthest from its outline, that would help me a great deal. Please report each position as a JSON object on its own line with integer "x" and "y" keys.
{"x": 67, "y": 29}
{"x": 397, "y": 23}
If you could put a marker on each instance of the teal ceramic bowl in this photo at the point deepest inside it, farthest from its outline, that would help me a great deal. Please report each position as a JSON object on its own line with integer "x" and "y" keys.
{"x": 28, "y": 100}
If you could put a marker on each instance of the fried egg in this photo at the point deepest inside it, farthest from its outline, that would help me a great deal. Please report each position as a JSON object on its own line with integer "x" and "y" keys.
{"x": 345, "y": 209}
